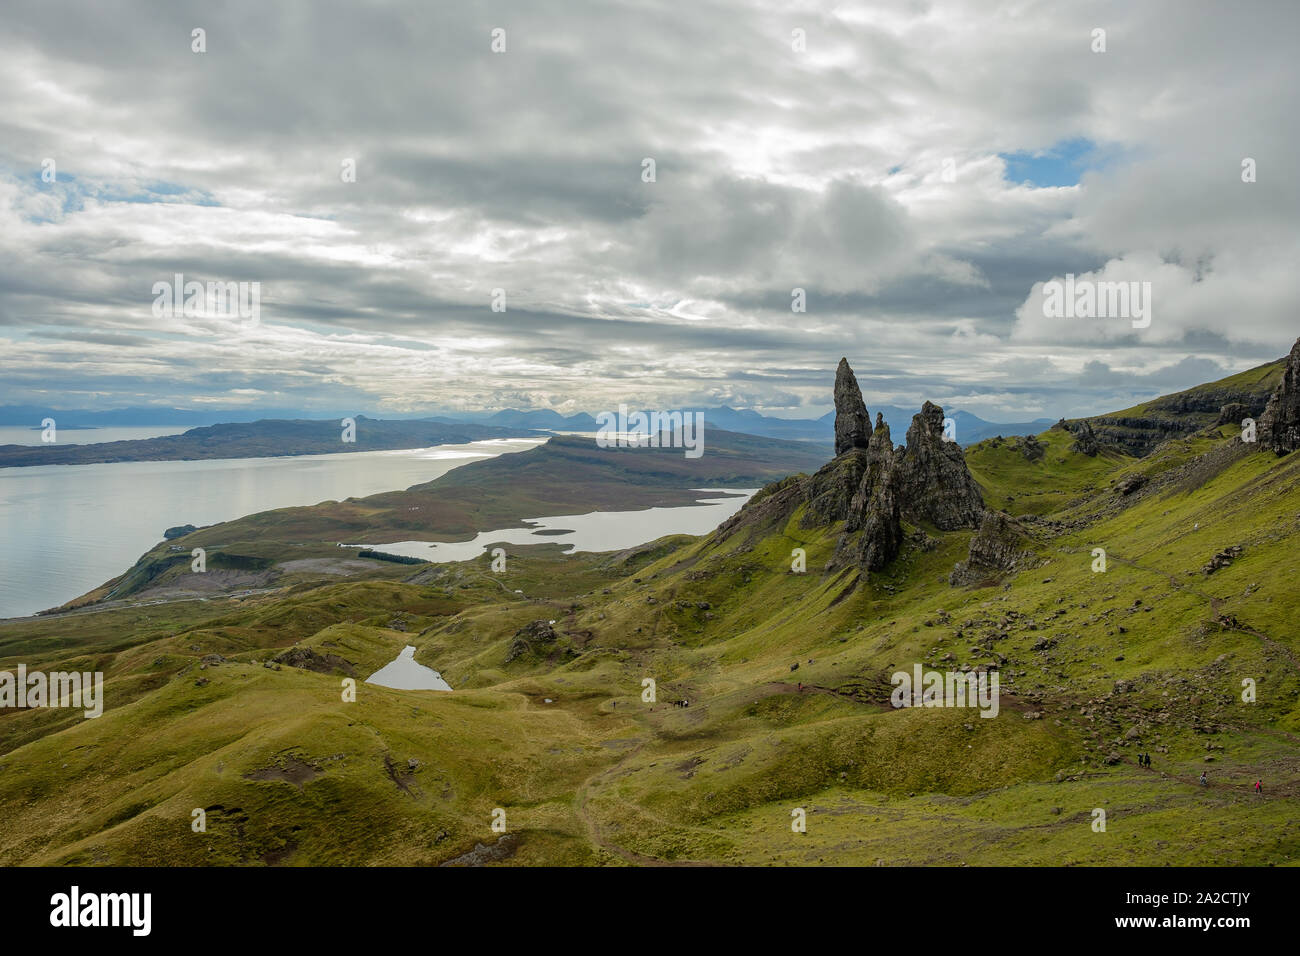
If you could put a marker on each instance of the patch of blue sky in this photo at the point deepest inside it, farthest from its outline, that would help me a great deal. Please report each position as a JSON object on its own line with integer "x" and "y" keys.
{"x": 1062, "y": 164}
{"x": 156, "y": 192}
{"x": 76, "y": 190}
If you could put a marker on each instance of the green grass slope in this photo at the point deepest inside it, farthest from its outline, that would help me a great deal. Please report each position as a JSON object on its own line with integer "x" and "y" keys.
{"x": 552, "y": 722}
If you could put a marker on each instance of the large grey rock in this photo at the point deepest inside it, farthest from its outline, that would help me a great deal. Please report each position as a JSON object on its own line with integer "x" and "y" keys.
{"x": 997, "y": 549}
{"x": 933, "y": 483}
{"x": 852, "y": 420}
{"x": 1279, "y": 426}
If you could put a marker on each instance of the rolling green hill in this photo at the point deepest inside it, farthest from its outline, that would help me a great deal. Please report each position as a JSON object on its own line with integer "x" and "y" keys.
{"x": 787, "y": 675}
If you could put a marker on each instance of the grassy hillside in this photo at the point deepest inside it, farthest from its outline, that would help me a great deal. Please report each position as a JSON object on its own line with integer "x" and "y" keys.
{"x": 548, "y": 722}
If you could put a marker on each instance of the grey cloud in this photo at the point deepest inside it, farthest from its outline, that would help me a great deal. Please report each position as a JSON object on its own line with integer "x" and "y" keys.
{"x": 522, "y": 171}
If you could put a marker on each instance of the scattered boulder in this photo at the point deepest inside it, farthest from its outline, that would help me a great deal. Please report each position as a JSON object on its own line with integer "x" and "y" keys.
{"x": 1222, "y": 559}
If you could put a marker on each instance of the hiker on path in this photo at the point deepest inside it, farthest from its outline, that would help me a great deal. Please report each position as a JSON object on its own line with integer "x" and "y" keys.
{"x": 1259, "y": 787}
{"x": 1204, "y": 782}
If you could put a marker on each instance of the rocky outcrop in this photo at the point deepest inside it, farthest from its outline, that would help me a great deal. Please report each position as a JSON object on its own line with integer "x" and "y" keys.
{"x": 871, "y": 485}
{"x": 531, "y": 638}
{"x": 933, "y": 482}
{"x": 1279, "y": 426}
{"x": 852, "y": 420}
{"x": 830, "y": 492}
{"x": 1085, "y": 440}
{"x": 1232, "y": 414}
{"x": 308, "y": 659}
{"x": 1030, "y": 447}
{"x": 997, "y": 549}
{"x": 1130, "y": 483}
{"x": 873, "y": 527}
{"x": 927, "y": 480}
{"x": 1222, "y": 559}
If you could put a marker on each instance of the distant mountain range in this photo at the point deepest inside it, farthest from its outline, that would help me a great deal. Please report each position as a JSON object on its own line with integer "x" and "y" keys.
{"x": 970, "y": 428}
{"x": 261, "y": 439}
{"x": 31, "y": 415}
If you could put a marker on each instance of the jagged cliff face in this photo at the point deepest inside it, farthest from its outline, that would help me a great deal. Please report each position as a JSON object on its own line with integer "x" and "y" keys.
{"x": 1279, "y": 426}
{"x": 1139, "y": 431}
{"x": 873, "y": 486}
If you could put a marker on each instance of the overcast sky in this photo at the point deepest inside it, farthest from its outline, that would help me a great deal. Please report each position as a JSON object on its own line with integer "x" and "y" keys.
{"x": 775, "y": 168}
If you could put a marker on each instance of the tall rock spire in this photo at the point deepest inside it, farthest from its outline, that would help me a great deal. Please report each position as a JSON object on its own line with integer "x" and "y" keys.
{"x": 852, "y": 420}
